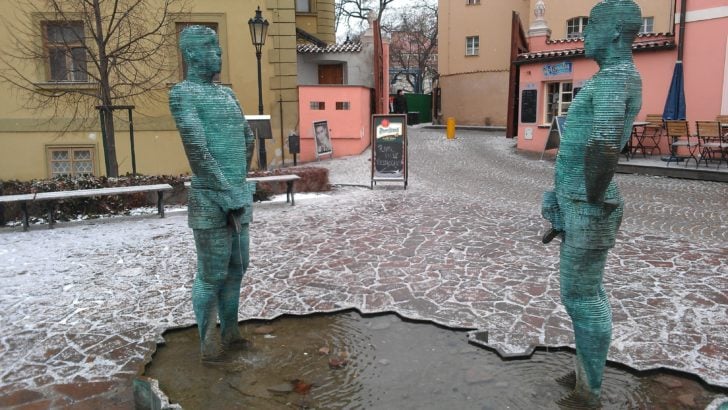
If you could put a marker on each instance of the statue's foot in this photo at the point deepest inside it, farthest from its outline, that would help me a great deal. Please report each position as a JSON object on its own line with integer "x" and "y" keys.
{"x": 212, "y": 353}
{"x": 567, "y": 380}
{"x": 578, "y": 401}
{"x": 238, "y": 343}
{"x": 213, "y": 359}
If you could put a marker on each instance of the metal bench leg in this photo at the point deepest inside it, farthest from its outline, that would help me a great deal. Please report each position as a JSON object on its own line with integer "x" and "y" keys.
{"x": 160, "y": 203}
{"x": 51, "y": 219}
{"x": 289, "y": 190}
{"x": 24, "y": 211}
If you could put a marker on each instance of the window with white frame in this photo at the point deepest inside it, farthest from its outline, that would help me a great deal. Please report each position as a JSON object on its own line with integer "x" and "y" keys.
{"x": 65, "y": 51}
{"x": 472, "y": 2}
{"x": 575, "y": 27}
{"x": 648, "y": 25}
{"x": 558, "y": 99}
{"x": 472, "y": 45}
{"x": 70, "y": 161}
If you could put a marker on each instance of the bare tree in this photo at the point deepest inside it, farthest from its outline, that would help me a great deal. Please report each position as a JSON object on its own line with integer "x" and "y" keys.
{"x": 355, "y": 12}
{"x": 95, "y": 54}
{"x": 413, "y": 48}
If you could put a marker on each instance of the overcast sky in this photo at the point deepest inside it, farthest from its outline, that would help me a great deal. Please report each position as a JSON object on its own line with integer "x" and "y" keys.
{"x": 392, "y": 8}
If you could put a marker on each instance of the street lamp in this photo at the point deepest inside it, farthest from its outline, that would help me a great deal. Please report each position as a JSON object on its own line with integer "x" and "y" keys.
{"x": 258, "y": 31}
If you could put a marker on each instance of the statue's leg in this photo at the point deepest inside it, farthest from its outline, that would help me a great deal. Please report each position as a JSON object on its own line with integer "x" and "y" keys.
{"x": 213, "y": 254}
{"x": 230, "y": 292}
{"x": 586, "y": 302}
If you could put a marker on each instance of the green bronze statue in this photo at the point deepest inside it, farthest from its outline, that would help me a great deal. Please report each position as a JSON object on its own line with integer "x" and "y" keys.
{"x": 585, "y": 208}
{"x": 219, "y": 146}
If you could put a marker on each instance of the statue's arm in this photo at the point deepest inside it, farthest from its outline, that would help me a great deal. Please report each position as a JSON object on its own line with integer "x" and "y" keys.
{"x": 194, "y": 140}
{"x": 604, "y": 144}
{"x": 249, "y": 136}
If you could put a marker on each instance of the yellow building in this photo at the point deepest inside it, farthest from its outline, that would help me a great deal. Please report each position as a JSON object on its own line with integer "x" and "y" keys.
{"x": 35, "y": 143}
{"x": 477, "y": 39}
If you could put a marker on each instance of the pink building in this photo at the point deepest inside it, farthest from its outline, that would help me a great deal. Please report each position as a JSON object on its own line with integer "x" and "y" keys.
{"x": 552, "y": 71}
{"x": 343, "y": 84}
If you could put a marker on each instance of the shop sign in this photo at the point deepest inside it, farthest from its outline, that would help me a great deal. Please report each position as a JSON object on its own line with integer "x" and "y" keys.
{"x": 551, "y": 70}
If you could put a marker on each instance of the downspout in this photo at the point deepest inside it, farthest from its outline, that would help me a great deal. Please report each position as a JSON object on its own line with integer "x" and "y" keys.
{"x": 681, "y": 44}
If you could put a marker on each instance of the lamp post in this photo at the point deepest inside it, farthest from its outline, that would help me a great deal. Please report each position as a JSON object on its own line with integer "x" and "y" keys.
{"x": 258, "y": 31}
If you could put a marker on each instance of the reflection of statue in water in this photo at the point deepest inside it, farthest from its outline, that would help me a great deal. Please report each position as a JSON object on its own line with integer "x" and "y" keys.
{"x": 219, "y": 146}
{"x": 585, "y": 206}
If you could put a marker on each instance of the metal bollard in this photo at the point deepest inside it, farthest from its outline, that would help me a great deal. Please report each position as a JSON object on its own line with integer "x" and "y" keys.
{"x": 450, "y": 128}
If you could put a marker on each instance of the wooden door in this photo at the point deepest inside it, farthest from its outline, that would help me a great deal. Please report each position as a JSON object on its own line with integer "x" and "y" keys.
{"x": 331, "y": 74}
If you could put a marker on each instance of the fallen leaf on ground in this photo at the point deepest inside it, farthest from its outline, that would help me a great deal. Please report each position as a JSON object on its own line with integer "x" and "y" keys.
{"x": 300, "y": 386}
{"x": 324, "y": 350}
{"x": 338, "y": 363}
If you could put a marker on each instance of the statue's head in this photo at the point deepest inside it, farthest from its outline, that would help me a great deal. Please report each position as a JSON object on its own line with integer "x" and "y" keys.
{"x": 201, "y": 50}
{"x": 613, "y": 26}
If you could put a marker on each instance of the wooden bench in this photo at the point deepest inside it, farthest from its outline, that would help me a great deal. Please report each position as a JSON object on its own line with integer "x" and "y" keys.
{"x": 50, "y": 197}
{"x": 288, "y": 179}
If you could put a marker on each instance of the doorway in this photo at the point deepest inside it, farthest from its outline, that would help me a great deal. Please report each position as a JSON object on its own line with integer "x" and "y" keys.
{"x": 331, "y": 74}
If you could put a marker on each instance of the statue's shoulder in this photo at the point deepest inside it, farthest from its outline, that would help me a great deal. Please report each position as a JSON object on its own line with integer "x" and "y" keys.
{"x": 229, "y": 91}
{"x": 181, "y": 89}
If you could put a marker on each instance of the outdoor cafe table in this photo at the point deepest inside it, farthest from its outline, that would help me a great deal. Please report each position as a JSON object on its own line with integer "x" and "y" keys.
{"x": 630, "y": 149}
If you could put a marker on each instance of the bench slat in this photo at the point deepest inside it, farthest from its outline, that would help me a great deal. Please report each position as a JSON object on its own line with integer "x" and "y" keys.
{"x": 41, "y": 196}
{"x": 274, "y": 178}
{"x": 16, "y": 198}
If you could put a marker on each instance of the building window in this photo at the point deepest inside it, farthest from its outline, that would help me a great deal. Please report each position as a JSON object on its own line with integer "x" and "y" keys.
{"x": 558, "y": 99}
{"x": 318, "y": 105}
{"x": 648, "y": 25}
{"x": 303, "y": 6}
{"x": 575, "y": 27}
{"x": 472, "y": 45}
{"x": 65, "y": 51}
{"x": 182, "y": 66}
{"x": 472, "y": 2}
{"x": 70, "y": 161}
{"x": 342, "y": 105}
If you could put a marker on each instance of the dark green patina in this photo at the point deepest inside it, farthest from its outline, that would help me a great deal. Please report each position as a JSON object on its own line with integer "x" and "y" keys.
{"x": 585, "y": 207}
{"x": 219, "y": 146}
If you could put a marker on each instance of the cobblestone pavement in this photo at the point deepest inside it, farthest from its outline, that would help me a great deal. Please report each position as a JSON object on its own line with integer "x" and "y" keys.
{"x": 83, "y": 305}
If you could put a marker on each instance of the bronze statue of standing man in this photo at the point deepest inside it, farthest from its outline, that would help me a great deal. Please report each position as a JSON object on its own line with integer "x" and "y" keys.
{"x": 585, "y": 206}
{"x": 219, "y": 146}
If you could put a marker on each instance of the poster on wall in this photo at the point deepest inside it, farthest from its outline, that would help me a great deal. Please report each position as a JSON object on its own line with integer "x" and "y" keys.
{"x": 389, "y": 148}
{"x": 322, "y": 139}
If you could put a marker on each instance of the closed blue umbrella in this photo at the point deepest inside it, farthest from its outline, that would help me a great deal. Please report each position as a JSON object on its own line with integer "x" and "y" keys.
{"x": 675, "y": 103}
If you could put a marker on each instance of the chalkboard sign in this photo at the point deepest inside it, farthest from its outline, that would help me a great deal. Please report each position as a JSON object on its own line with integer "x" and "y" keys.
{"x": 529, "y": 99}
{"x": 389, "y": 148}
{"x": 554, "y": 139}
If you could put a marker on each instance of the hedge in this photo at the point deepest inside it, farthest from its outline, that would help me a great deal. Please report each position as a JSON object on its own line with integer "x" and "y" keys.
{"x": 312, "y": 180}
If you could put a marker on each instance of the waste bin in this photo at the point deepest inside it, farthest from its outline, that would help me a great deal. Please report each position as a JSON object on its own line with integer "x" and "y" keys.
{"x": 294, "y": 144}
{"x": 413, "y": 117}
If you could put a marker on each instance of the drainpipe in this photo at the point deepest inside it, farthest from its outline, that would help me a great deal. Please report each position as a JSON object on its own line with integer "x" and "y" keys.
{"x": 681, "y": 44}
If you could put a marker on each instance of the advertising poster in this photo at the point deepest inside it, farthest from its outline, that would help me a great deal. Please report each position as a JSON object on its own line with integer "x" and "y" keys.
{"x": 322, "y": 139}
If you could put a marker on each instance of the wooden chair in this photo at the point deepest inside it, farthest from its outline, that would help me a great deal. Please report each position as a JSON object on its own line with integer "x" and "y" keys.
{"x": 651, "y": 134}
{"x": 679, "y": 134}
{"x": 711, "y": 141}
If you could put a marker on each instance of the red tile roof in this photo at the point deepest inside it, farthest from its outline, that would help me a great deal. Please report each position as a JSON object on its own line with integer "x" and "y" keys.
{"x": 638, "y": 45}
{"x": 331, "y": 48}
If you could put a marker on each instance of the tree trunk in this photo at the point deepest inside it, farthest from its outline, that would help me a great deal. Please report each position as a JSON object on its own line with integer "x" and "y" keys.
{"x": 112, "y": 166}
{"x": 110, "y": 142}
